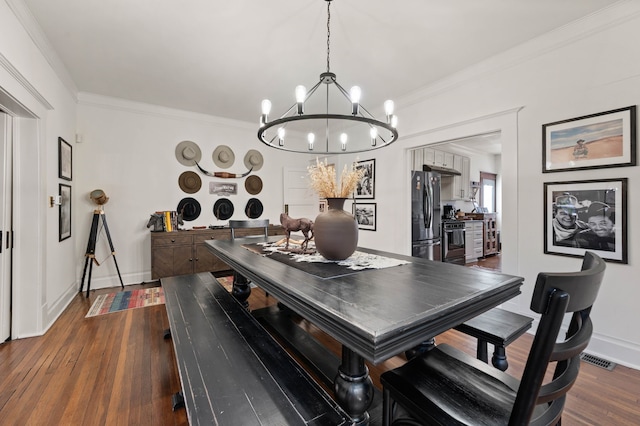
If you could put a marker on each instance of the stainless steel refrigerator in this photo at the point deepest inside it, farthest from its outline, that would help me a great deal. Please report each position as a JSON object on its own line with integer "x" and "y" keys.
{"x": 426, "y": 217}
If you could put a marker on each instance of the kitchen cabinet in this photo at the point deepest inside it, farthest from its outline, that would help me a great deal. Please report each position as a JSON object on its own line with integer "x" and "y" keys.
{"x": 489, "y": 232}
{"x": 474, "y": 240}
{"x": 185, "y": 252}
{"x": 457, "y": 187}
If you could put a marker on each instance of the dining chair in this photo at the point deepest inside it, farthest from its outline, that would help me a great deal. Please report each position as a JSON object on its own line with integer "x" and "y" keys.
{"x": 241, "y": 285}
{"x": 445, "y": 386}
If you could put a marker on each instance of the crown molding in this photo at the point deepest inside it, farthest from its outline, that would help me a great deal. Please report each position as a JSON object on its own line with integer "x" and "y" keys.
{"x": 119, "y": 104}
{"x": 611, "y": 16}
{"x": 31, "y": 26}
{"x": 13, "y": 72}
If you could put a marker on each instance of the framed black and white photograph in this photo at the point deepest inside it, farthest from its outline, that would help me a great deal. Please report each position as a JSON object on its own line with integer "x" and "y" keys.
{"x": 586, "y": 215}
{"x": 64, "y": 222}
{"x": 64, "y": 160}
{"x": 605, "y": 139}
{"x": 365, "y": 214}
{"x": 367, "y": 185}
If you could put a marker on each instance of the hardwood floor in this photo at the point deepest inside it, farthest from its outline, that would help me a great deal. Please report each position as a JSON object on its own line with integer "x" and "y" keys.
{"x": 117, "y": 369}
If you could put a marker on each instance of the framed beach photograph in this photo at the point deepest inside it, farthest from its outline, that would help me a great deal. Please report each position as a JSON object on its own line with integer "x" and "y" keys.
{"x": 64, "y": 160}
{"x": 367, "y": 185}
{"x": 586, "y": 215}
{"x": 365, "y": 214}
{"x": 64, "y": 221}
{"x": 605, "y": 139}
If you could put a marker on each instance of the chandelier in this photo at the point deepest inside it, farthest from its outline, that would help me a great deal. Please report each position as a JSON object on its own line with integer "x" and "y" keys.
{"x": 317, "y": 130}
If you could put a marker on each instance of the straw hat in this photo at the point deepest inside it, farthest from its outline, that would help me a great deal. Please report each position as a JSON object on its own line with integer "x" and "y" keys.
{"x": 254, "y": 208}
{"x": 253, "y": 160}
{"x": 253, "y": 184}
{"x": 190, "y": 182}
{"x": 223, "y": 156}
{"x": 188, "y": 153}
{"x": 223, "y": 209}
{"x": 189, "y": 208}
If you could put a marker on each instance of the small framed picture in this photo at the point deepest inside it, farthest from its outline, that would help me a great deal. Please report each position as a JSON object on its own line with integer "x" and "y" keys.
{"x": 586, "y": 215}
{"x": 322, "y": 205}
{"x": 365, "y": 214}
{"x": 605, "y": 139}
{"x": 65, "y": 165}
{"x": 366, "y": 186}
{"x": 64, "y": 221}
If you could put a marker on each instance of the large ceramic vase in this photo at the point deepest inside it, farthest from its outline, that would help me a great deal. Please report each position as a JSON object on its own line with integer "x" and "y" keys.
{"x": 335, "y": 231}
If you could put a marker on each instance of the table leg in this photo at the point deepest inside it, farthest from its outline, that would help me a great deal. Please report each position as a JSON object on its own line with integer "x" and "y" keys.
{"x": 423, "y": 347}
{"x": 353, "y": 387}
{"x": 241, "y": 289}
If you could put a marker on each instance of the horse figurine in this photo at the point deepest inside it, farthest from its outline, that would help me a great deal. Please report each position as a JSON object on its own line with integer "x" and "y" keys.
{"x": 303, "y": 225}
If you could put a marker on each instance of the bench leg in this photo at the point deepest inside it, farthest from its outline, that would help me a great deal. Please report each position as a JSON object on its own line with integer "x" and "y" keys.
{"x": 481, "y": 351}
{"x": 499, "y": 359}
{"x": 177, "y": 400}
{"x": 423, "y": 347}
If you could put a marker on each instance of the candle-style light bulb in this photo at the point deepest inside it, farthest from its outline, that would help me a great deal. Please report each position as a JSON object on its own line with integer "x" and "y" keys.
{"x": 343, "y": 141}
{"x": 311, "y": 138}
{"x": 355, "y": 94}
{"x": 266, "y": 109}
{"x": 394, "y": 121}
{"x": 301, "y": 94}
{"x": 373, "y": 132}
{"x": 389, "y": 106}
{"x": 281, "y": 136}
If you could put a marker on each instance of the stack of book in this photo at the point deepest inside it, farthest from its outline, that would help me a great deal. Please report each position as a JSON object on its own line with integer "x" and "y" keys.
{"x": 170, "y": 220}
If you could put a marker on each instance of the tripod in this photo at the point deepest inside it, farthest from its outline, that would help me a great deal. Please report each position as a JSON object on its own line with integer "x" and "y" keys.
{"x": 90, "y": 254}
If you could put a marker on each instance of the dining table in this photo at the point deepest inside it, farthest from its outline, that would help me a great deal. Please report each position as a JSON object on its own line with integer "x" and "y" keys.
{"x": 375, "y": 313}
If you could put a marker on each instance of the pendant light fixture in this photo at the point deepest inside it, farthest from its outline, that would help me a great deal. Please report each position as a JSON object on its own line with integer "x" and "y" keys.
{"x": 312, "y": 128}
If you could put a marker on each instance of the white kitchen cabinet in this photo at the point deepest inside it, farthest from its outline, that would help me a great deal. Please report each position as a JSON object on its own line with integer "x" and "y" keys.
{"x": 457, "y": 187}
{"x": 474, "y": 240}
{"x": 428, "y": 156}
{"x": 448, "y": 160}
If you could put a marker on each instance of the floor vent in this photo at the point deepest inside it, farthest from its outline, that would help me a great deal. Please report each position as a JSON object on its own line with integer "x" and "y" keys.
{"x": 598, "y": 362}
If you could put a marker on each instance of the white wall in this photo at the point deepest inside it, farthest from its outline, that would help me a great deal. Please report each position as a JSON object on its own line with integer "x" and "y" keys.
{"x": 577, "y": 70}
{"x": 128, "y": 151}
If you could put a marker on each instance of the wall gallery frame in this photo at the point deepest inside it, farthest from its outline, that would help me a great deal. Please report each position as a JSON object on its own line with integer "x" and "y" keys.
{"x": 586, "y": 215}
{"x": 365, "y": 214}
{"x": 367, "y": 185}
{"x": 65, "y": 164}
{"x": 64, "y": 221}
{"x": 605, "y": 139}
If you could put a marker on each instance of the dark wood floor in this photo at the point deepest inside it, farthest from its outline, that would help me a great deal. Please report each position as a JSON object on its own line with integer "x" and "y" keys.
{"x": 117, "y": 369}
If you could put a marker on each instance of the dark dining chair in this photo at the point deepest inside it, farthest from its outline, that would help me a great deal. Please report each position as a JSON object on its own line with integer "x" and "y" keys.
{"x": 241, "y": 285}
{"x": 445, "y": 386}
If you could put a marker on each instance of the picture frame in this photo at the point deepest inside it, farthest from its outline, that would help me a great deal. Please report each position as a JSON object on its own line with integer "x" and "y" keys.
{"x": 65, "y": 163}
{"x": 365, "y": 189}
{"x": 586, "y": 215}
{"x": 605, "y": 139}
{"x": 366, "y": 215}
{"x": 64, "y": 218}
{"x": 322, "y": 205}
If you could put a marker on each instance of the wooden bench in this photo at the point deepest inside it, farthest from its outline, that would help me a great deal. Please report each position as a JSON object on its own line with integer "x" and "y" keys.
{"x": 231, "y": 370}
{"x": 498, "y": 327}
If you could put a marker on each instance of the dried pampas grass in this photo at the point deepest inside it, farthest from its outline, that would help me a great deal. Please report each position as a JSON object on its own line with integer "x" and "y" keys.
{"x": 323, "y": 180}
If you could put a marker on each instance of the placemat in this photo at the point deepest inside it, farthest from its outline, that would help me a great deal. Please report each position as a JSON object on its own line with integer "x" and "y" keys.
{"x": 317, "y": 265}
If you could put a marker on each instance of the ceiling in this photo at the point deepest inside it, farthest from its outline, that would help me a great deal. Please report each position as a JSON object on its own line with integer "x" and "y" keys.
{"x": 223, "y": 58}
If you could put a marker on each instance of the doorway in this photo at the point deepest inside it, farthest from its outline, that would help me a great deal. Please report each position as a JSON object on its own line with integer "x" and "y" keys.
{"x": 488, "y": 193}
{"x": 6, "y": 144}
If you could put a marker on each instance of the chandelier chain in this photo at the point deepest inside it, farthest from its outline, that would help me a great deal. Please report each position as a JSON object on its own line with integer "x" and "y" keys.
{"x": 328, "y": 33}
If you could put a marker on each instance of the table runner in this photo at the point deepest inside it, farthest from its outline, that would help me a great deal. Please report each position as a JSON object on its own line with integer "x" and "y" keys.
{"x": 317, "y": 265}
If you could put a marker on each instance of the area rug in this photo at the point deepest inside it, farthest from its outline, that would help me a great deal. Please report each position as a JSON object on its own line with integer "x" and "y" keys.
{"x": 227, "y": 282}
{"x": 122, "y": 300}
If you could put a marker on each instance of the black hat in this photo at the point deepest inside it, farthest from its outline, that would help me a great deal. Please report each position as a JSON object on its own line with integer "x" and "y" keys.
{"x": 254, "y": 208}
{"x": 189, "y": 208}
{"x": 223, "y": 209}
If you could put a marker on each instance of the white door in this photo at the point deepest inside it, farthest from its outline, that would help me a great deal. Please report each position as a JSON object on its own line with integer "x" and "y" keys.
{"x": 5, "y": 225}
{"x": 299, "y": 199}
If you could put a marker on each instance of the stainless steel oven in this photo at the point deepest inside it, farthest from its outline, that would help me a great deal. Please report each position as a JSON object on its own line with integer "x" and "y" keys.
{"x": 453, "y": 242}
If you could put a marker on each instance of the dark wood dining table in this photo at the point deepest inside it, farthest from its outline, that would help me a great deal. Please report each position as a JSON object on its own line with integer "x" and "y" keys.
{"x": 374, "y": 313}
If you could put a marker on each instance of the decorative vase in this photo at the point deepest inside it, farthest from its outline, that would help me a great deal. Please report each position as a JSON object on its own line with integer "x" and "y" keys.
{"x": 335, "y": 231}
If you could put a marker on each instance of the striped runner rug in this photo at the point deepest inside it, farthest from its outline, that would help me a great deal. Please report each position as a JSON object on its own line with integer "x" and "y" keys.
{"x": 122, "y": 300}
